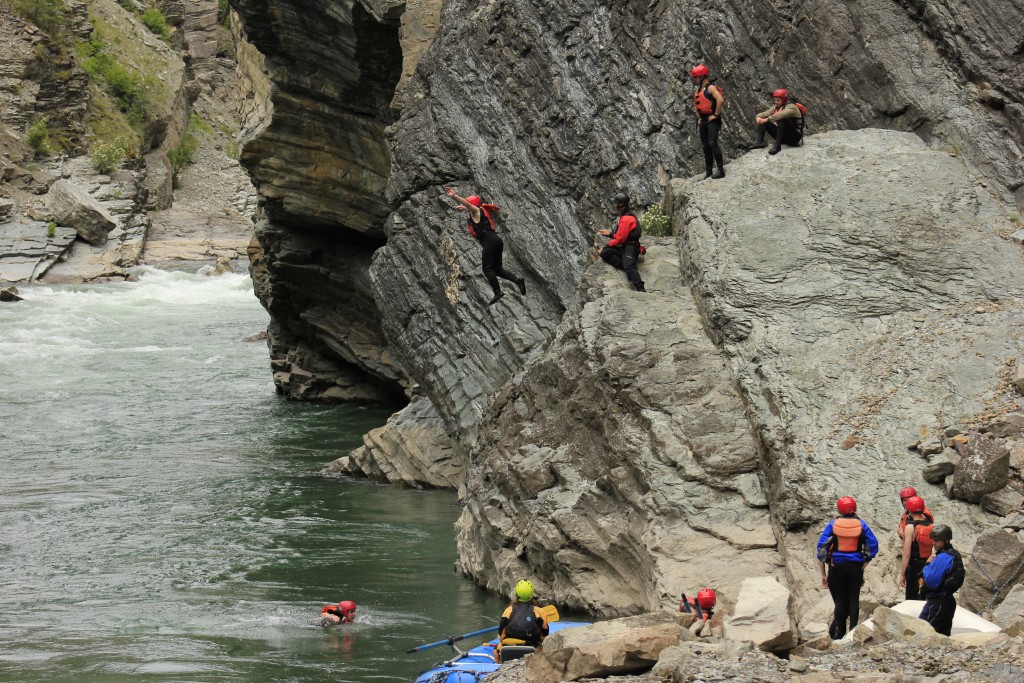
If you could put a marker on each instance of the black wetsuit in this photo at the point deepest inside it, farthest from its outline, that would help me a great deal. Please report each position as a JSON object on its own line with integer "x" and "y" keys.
{"x": 623, "y": 250}
{"x": 492, "y": 249}
{"x": 709, "y": 142}
{"x": 844, "y": 582}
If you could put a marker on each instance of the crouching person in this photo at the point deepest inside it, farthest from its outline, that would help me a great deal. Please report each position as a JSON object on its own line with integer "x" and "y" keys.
{"x": 943, "y": 576}
{"x": 783, "y": 121}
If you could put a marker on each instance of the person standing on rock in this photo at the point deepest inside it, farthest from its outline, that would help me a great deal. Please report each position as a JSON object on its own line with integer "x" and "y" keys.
{"x": 845, "y": 547}
{"x": 522, "y": 622}
{"x": 707, "y": 103}
{"x": 480, "y": 223}
{"x": 784, "y": 122}
{"x": 623, "y": 249}
{"x": 917, "y": 547}
{"x": 943, "y": 575}
{"x": 906, "y": 493}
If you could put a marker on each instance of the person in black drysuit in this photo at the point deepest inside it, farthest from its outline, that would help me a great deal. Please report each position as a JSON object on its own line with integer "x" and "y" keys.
{"x": 943, "y": 575}
{"x": 707, "y": 103}
{"x": 481, "y": 226}
{"x": 623, "y": 250}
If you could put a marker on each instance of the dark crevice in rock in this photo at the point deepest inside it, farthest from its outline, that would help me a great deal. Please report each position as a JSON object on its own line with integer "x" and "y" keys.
{"x": 321, "y": 163}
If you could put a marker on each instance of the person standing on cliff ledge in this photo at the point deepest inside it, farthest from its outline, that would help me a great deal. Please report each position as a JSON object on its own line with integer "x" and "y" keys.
{"x": 845, "y": 546}
{"x": 707, "y": 103}
{"x": 623, "y": 249}
{"x": 480, "y": 223}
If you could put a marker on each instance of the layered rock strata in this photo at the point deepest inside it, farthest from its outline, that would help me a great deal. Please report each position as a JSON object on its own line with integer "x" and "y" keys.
{"x": 618, "y": 468}
{"x": 315, "y": 148}
{"x": 412, "y": 449}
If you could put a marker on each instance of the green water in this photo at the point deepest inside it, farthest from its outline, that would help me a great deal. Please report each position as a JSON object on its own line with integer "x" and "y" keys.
{"x": 160, "y": 515}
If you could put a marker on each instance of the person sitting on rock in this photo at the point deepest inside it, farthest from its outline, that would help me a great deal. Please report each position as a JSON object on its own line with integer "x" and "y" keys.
{"x": 480, "y": 223}
{"x": 782, "y": 122}
{"x": 917, "y": 547}
{"x": 906, "y": 493}
{"x": 707, "y": 103}
{"x": 943, "y": 575}
{"x": 846, "y": 546}
{"x": 522, "y": 622}
{"x": 342, "y": 613}
{"x": 623, "y": 250}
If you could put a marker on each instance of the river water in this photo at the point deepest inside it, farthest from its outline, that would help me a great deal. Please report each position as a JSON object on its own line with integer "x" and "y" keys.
{"x": 160, "y": 515}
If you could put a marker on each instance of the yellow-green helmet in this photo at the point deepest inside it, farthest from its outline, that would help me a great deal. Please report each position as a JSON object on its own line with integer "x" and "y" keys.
{"x": 524, "y": 591}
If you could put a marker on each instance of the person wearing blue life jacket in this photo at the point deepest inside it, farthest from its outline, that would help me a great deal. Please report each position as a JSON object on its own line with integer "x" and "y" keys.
{"x": 943, "y": 575}
{"x": 845, "y": 547}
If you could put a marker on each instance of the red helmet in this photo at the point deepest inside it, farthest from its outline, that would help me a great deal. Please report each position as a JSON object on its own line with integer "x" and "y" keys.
{"x": 846, "y": 505}
{"x": 474, "y": 200}
{"x": 783, "y": 93}
{"x": 907, "y": 492}
{"x": 915, "y": 504}
{"x": 699, "y": 71}
{"x": 706, "y": 598}
{"x": 347, "y": 606}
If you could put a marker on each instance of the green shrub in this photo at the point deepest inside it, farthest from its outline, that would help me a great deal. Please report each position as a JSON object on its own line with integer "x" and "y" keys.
{"x": 46, "y": 14}
{"x": 39, "y": 136}
{"x": 134, "y": 93}
{"x": 108, "y": 155}
{"x": 655, "y": 223}
{"x": 181, "y": 156}
{"x": 51, "y": 230}
{"x": 127, "y": 4}
{"x": 156, "y": 22}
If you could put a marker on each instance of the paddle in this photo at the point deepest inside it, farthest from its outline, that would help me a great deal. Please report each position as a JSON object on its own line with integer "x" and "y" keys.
{"x": 451, "y": 640}
{"x": 550, "y": 614}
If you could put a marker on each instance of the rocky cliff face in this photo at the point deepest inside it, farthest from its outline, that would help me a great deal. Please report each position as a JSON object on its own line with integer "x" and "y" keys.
{"x": 549, "y": 107}
{"x": 815, "y": 329}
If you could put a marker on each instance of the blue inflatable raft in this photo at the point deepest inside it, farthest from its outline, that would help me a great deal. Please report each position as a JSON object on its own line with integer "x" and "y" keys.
{"x": 472, "y": 666}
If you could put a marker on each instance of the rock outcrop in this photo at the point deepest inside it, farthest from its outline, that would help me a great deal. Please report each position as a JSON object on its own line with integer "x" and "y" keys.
{"x": 853, "y": 317}
{"x": 412, "y": 449}
{"x": 846, "y": 294}
{"x": 618, "y": 468}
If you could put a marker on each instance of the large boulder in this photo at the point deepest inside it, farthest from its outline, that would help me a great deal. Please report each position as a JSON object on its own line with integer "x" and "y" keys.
{"x": 607, "y": 648}
{"x": 763, "y": 615}
{"x": 984, "y": 468}
{"x": 887, "y": 625}
{"x": 74, "y": 207}
{"x": 1010, "y": 612}
{"x": 996, "y": 562}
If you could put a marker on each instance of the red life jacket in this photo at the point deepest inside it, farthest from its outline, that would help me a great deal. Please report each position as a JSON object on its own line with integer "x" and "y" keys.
{"x": 486, "y": 210}
{"x": 703, "y": 102}
{"x": 848, "y": 532}
{"x": 922, "y": 545}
